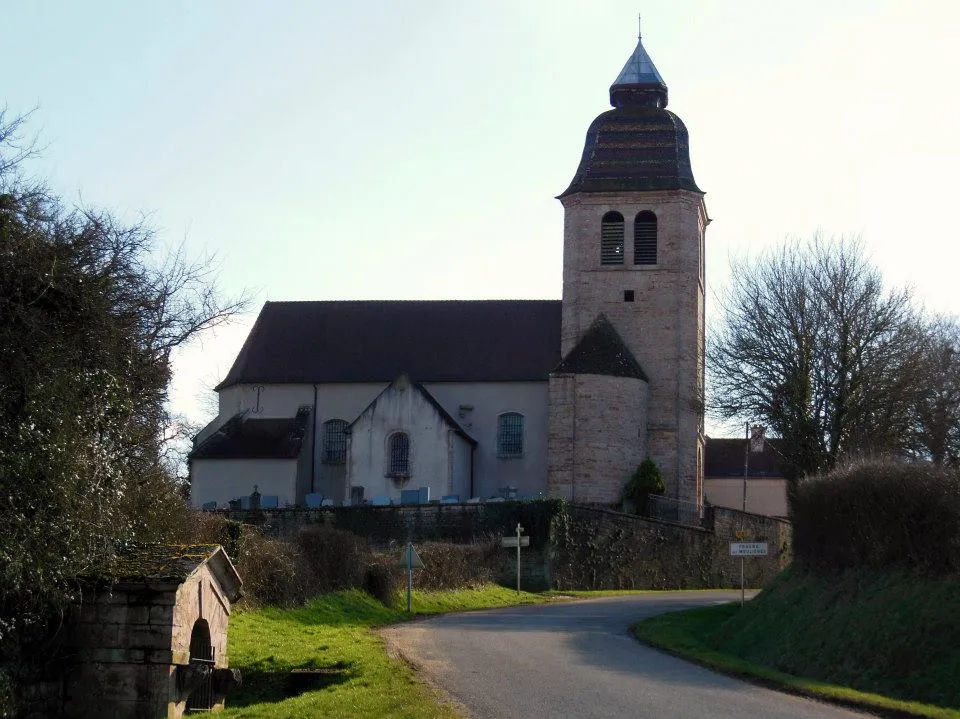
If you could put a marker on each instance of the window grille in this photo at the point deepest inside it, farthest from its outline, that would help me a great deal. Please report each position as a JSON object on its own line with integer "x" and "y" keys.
{"x": 645, "y": 239}
{"x": 334, "y": 441}
{"x": 611, "y": 239}
{"x": 510, "y": 435}
{"x": 399, "y": 455}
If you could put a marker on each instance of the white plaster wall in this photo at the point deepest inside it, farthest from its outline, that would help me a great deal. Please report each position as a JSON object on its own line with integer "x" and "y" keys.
{"x": 460, "y": 480}
{"x": 221, "y": 480}
{"x": 400, "y": 410}
{"x": 488, "y": 400}
{"x": 766, "y": 496}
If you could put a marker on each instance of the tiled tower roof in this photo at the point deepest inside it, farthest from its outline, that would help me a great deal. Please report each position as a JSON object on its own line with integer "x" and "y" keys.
{"x": 639, "y": 145}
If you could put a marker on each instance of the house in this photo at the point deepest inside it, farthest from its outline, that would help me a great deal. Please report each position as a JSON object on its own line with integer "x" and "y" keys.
{"x": 765, "y": 489}
{"x": 350, "y": 400}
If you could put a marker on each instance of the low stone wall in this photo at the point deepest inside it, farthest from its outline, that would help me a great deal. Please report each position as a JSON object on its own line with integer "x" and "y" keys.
{"x": 460, "y": 523}
{"x": 604, "y": 549}
{"x": 571, "y": 546}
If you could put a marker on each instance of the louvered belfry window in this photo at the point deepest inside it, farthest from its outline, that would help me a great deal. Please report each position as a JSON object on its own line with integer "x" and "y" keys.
{"x": 645, "y": 239}
{"x": 399, "y": 455}
{"x": 334, "y": 441}
{"x": 611, "y": 239}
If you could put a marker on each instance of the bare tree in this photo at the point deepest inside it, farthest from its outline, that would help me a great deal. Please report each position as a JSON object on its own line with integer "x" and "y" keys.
{"x": 936, "y": 430}
{"x": 88, "y": 320}
{"x": 815, "y": 346}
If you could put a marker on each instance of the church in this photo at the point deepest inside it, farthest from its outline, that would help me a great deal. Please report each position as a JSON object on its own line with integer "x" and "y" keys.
{"x": 358, "y": 401}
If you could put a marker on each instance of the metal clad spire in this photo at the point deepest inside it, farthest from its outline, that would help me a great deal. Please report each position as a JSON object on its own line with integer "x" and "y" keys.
{"x": 639, "y": 70}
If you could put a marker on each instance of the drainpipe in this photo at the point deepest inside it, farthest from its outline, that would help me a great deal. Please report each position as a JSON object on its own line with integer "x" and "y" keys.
{"x": 473, "y": 451}
{"x": 313, "y": 443}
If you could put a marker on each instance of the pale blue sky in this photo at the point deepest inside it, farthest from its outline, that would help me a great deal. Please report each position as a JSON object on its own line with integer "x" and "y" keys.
{"x": 329, "y": 150}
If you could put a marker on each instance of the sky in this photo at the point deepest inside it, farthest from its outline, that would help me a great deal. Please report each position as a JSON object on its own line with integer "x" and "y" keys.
{"x": 412, "y": 149}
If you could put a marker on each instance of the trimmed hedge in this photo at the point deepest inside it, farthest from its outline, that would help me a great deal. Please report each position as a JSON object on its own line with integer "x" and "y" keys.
{"x": 881, "y": 514}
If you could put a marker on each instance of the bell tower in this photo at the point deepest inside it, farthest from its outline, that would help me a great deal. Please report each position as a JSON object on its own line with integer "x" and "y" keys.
{"x": 631, "y": 381}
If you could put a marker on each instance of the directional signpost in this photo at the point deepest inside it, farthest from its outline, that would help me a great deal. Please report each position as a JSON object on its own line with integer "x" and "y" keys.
{"x": 516, "y": 541}
{"x": 411, "y": 560}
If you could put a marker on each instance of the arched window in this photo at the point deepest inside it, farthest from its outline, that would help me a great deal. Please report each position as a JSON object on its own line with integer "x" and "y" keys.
{"x": 334, "y": 441}
{"x": 645, "y": 239}
{"x": 510, "y": 435}
{"x": 398, "y": 460}
{"x": 611, "y": 239}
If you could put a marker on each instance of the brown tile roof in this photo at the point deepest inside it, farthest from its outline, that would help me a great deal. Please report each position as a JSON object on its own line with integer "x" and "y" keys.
{"x": 377, "y": 341}
{"x": 602, "y": 351}
{"x": 245, "y": 437}
{"x": 635, "y": 148}
{"x": 723, "y": 457}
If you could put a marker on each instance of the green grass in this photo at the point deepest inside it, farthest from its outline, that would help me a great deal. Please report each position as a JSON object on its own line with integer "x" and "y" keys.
{"x": 333, "y": 633}
{"x": 890, "y": 641}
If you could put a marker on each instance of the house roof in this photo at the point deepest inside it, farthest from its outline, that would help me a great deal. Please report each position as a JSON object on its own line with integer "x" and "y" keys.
{"x": 602, "y": 351}
{"x": 723, "y": 457}
{"x": 430, "y": 399}
{"x": 244, "y": 437}
{"x": 377, "y": 341}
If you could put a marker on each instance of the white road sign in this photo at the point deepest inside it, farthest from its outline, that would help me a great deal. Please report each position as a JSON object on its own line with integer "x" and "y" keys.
{"x": 410, "y": 558}
{"x": 748, "y": 549}
{"x": 512, "y": 541}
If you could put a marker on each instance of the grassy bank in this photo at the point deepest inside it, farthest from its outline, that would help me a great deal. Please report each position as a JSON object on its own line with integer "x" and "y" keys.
{"x": 332, "y": 634}
{"x": 887, "y": 640}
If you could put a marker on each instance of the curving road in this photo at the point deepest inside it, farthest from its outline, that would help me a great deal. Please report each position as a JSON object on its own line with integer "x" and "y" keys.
{"x": 577, "y": 659}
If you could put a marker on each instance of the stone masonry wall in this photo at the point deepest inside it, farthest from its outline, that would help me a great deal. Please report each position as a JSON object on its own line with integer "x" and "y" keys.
{"x": 574, "y": 547}
{"x": 603, "y": 549}
{"x": 122, "y": 643}
{"x": 663, "y": 326}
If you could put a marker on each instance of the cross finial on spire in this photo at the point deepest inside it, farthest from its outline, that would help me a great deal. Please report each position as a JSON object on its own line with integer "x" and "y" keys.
{"x": 639, "y": 27}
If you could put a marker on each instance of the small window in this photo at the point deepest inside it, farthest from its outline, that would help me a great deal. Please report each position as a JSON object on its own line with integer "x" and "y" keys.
{"x": 399, "y": 449}
{"x": 645, "y": 239}
{"x": 510, "y": 435}
{"x": 334, "y": 441}
{"x": 628, "y": 295}
{"x": 611, "y": 239}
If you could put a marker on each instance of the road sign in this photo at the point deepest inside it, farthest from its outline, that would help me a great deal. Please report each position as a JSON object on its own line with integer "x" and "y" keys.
{"x": 744, "y": 533}
{"x": 748, "y": 549}
{"x": 512, "y": 541}
{"x": 409, "y": 559}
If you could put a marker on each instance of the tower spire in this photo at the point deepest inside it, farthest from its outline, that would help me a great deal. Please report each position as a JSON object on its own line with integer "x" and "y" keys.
{"x": 639, "y": 83}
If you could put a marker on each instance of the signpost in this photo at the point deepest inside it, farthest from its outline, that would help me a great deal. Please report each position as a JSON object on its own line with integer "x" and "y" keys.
{"x": 516, "y": 541}
{"x": 749, "y": 549}
{"x": 754, "y": 443}
{"x": 746, "y": 549}
{"x": 411, "y": 560}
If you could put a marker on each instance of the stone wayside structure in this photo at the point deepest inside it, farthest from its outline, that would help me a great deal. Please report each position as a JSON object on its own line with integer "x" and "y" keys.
{"x": 149, "y": 638}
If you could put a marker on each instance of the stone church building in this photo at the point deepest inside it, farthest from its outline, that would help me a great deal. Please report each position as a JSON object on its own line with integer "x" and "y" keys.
{"x": 473, "y": 399}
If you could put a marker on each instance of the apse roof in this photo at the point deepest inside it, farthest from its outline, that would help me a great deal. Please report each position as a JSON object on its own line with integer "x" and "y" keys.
{"x": 601, "y": 351}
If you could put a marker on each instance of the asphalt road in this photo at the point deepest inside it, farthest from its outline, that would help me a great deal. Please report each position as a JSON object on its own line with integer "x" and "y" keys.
{"x": 578, "y": 659}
